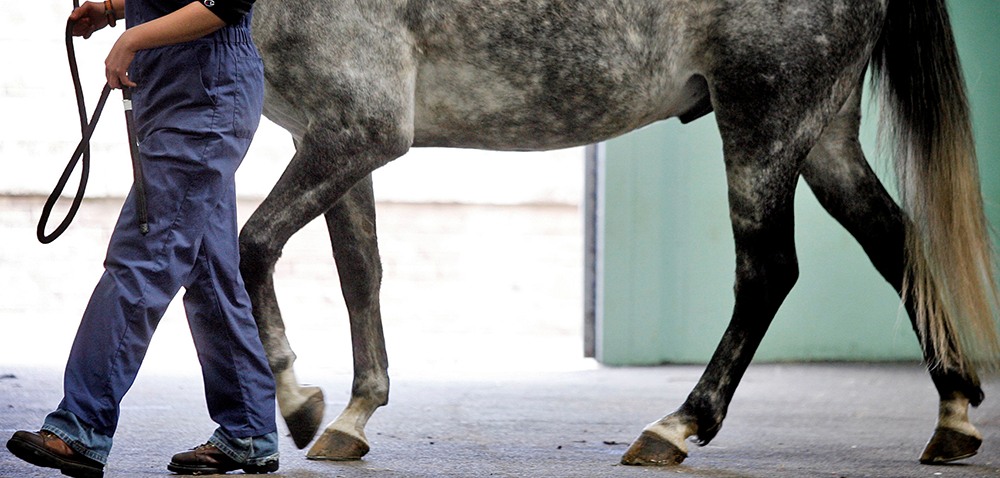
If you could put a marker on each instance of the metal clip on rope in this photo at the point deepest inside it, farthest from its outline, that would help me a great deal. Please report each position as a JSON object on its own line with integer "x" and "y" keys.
{"x": 83, "y": 152}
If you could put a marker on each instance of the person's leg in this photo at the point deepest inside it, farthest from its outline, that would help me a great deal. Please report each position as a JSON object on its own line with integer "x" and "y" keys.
{"x": 216, "y": 456}
{"x": 142, "y": 274}
{"x": 239, "y": 387}
{"x": 115, "y": 330}
{"x": 78, "y": 436}
{"x": 112, "y": 338}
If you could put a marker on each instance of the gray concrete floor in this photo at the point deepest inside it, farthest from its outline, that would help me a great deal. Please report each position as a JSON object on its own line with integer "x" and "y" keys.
{"x": 482, "y": 308}
{"x": 801, "y": 420}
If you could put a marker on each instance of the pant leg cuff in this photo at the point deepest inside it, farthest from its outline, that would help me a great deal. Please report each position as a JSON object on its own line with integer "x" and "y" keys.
{"x": 82, "y": 438}
{"x": 255, "y": 451}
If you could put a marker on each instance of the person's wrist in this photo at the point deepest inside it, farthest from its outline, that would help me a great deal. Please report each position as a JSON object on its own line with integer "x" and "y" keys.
{"x": 109, "y": 12}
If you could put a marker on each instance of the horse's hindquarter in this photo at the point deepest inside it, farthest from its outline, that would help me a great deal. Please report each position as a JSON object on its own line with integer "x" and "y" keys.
{"x": 542, "y": 75}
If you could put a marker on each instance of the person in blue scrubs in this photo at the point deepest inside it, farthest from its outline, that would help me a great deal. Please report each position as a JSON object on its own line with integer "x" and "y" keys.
{"x": 197, "y": 93}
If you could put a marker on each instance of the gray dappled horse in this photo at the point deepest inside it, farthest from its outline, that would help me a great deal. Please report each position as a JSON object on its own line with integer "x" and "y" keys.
{"x": 359, "y": 83}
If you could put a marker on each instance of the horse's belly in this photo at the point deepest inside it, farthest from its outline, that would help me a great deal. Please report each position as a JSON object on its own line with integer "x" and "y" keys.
{"x": 460, "y": 107}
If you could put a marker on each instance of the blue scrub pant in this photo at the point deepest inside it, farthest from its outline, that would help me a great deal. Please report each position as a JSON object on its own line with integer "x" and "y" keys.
{"x": 196, "y": 108}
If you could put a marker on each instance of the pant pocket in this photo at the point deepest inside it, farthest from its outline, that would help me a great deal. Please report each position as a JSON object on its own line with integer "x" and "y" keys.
{"x": 249, "y": 94}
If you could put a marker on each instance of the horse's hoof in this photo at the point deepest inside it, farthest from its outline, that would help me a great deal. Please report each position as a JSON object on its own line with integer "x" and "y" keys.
{"x": 337, "y": 445}
{"x": 304, "y": 422}
{"x": 650, "y": 449}
{"x": 948, "y": 445}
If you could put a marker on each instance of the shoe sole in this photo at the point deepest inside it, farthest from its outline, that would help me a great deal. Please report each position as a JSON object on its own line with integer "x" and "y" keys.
{"x": 38, "y": 456}
{"x": 180, "y": 469}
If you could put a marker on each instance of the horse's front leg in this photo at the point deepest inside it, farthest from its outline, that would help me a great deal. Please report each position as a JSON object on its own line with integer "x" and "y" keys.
{"x": 351, "y": 223}
{"x": 332, "y": 157}
{"x": 354, "y": 106}
{"x": 301, "y": 407}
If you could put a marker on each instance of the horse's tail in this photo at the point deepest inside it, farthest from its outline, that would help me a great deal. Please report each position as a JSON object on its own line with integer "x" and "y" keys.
{"x": 949, "y": 255}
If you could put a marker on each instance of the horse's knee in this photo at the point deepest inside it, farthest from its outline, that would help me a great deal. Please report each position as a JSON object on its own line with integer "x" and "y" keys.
{"x": 258, "y": 253}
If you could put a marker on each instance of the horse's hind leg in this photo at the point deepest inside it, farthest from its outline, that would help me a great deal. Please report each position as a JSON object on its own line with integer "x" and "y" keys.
{"x": 763, "y": 156}
{"x": 840, "y": 177}
{"x": 351, "y": 223}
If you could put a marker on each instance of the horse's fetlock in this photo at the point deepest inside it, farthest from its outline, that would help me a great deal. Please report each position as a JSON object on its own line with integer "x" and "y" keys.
{"x": 706, "y": 417}
{"x": 373, "y": 388}
{"x": 955, "y": 384}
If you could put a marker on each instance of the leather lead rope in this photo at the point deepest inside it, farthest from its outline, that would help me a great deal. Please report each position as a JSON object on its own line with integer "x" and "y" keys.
{"x": 83, "y": 152}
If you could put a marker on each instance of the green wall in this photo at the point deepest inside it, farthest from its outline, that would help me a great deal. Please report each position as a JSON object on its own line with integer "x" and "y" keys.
{"x": 665, "y": 260}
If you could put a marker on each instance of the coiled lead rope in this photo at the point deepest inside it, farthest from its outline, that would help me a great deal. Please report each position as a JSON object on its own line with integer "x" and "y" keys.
{"x": 83, "y": 152}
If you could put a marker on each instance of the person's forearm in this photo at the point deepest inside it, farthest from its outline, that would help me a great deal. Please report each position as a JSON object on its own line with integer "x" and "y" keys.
{"x": 188, "y": 23}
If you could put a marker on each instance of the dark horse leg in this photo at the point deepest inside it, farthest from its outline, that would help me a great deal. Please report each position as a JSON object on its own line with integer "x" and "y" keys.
{"x": 837, "y": 172}
{"x": 840, "y": 177}
{"x": 351, "y": 223}
{"x": 763, "y": 152}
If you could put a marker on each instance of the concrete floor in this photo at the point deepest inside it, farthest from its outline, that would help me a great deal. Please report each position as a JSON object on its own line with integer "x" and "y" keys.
{"x": 482, "y": 308}
{"x": 802, "y": 420}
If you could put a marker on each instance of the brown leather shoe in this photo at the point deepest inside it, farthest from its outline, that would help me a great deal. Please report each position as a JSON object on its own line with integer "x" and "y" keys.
{"x": 209, "y": 460}
{"x": 46, "y": 449}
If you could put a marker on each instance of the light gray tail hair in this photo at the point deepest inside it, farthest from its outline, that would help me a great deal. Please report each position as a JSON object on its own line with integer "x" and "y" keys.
{"x": 950, "y": 274}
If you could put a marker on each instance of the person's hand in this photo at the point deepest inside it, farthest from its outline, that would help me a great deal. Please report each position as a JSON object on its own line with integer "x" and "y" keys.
{"x": 88, "y": 18}
{"x": 118, "y": 61}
